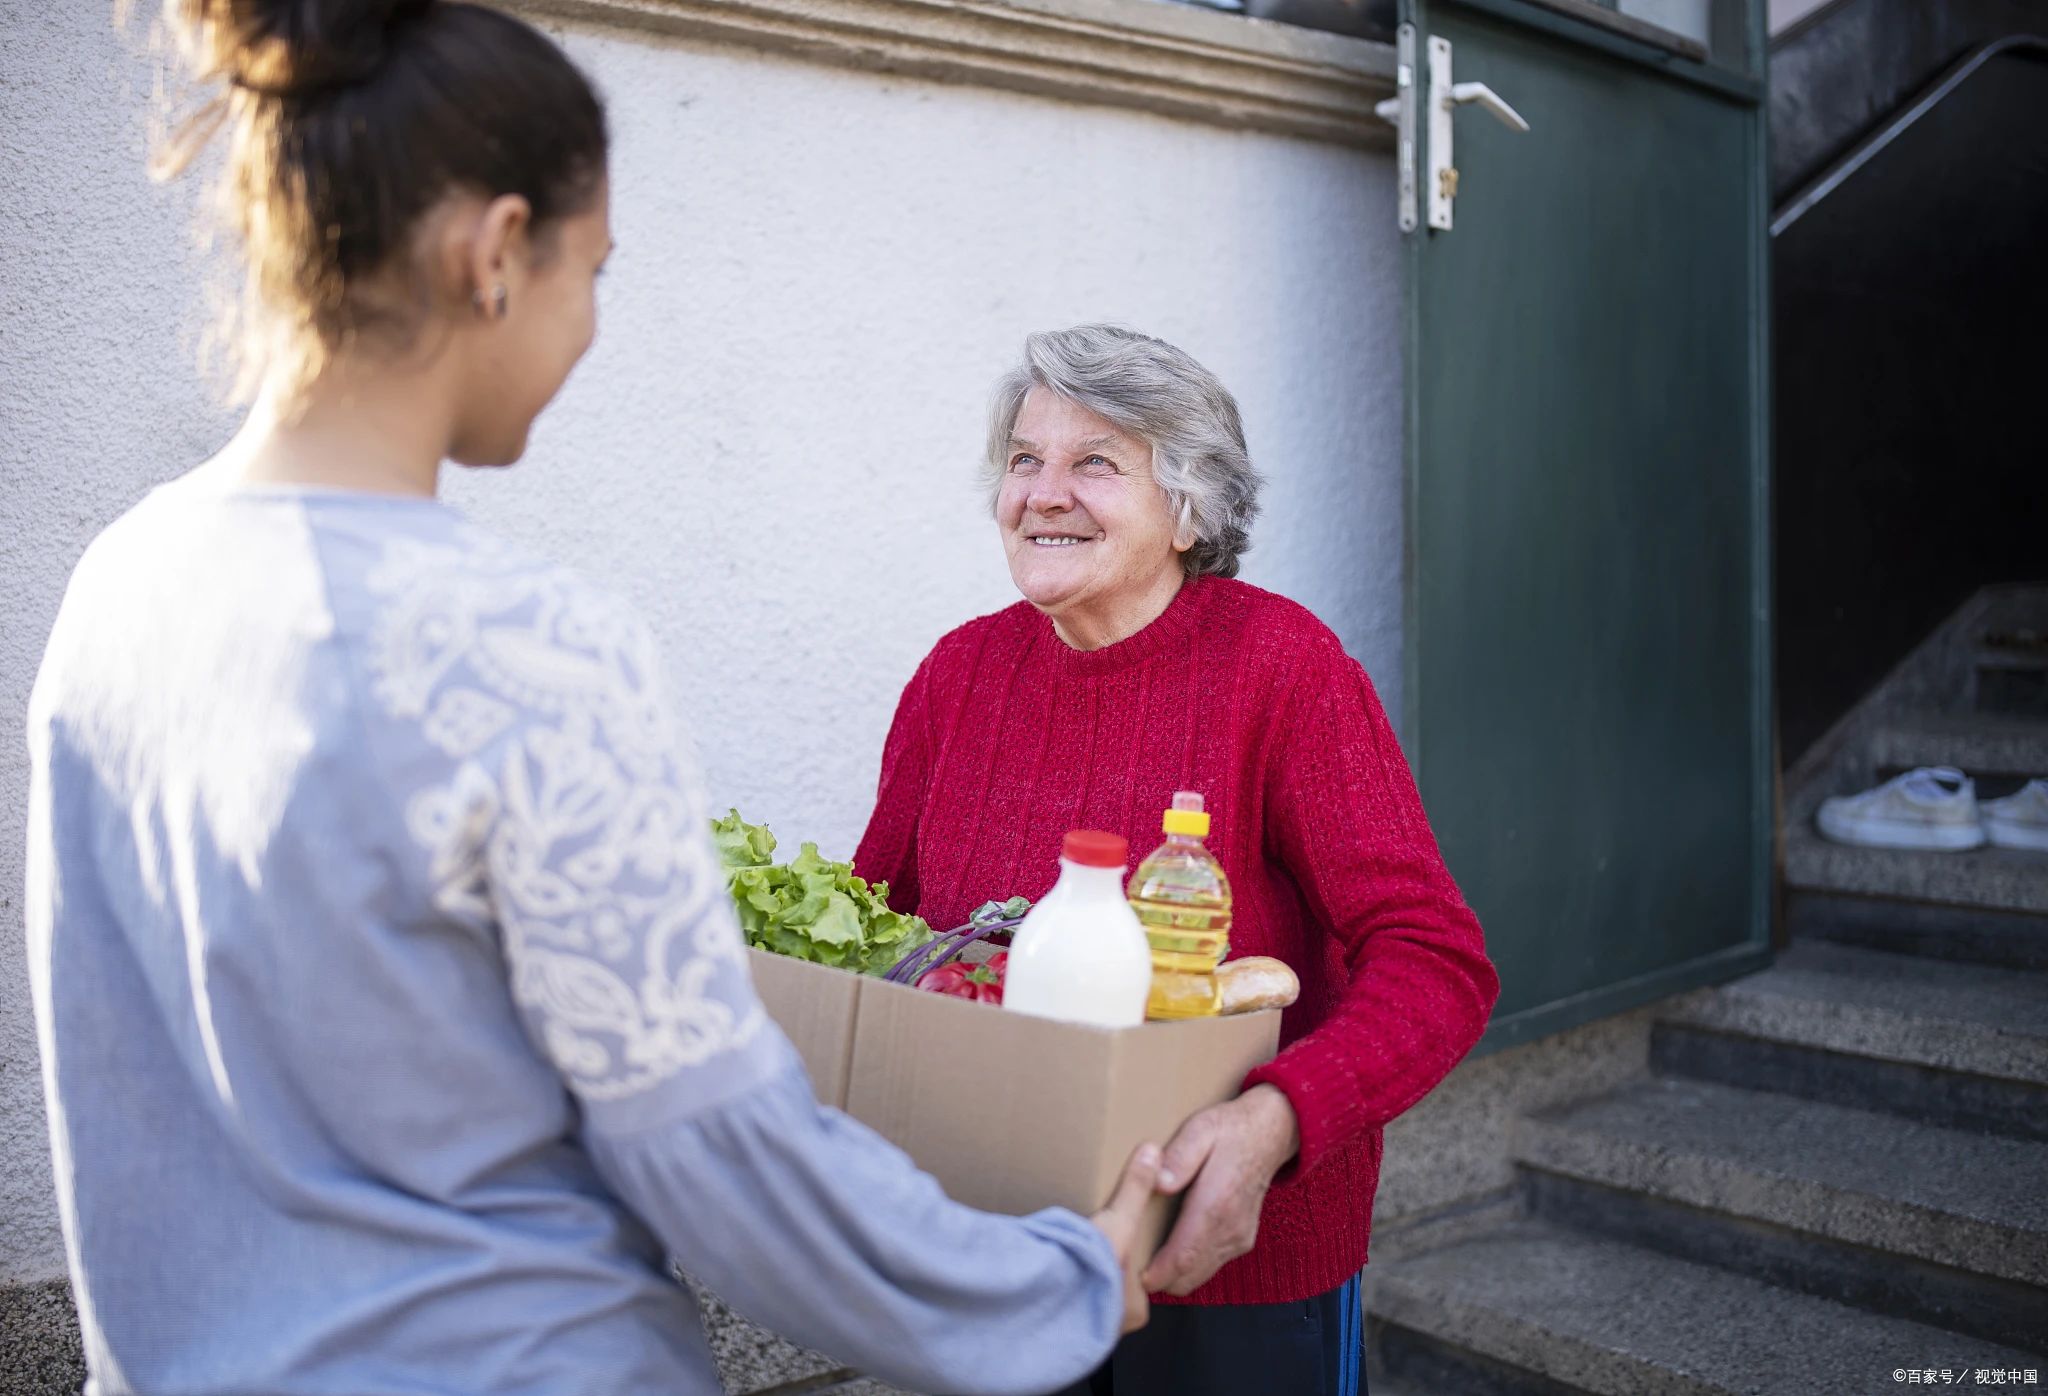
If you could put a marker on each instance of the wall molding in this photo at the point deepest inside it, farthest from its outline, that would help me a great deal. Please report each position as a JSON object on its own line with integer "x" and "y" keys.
{"x": 1175, "y": 60}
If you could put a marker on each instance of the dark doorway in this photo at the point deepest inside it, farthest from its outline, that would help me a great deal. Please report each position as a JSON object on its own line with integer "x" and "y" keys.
{"x": 1910, "y": 289}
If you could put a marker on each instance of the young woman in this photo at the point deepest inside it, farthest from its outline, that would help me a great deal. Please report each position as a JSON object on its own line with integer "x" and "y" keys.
{"x": 395, "y": 1025}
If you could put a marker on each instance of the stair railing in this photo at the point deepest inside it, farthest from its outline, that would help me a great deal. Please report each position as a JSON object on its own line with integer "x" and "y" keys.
{"x": 1901, "y": 121}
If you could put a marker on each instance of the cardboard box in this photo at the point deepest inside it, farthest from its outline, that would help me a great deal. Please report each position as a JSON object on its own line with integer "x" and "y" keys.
{"x": 1010, "y": 1113}
{"x": 815, "y": 1006}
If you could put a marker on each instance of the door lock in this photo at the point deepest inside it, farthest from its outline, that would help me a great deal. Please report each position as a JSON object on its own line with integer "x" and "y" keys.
{"x": 1444, "y": 97}
{"x": 1399, "y": 112}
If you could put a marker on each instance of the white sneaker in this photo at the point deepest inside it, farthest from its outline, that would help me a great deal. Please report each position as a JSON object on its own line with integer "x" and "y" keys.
{"x": 1934, "y": 807}
{"x": 2019, "y": 820}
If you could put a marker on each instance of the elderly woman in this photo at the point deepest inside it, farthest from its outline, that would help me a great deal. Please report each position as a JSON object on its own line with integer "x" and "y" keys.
{"x": 1137, "y": 666}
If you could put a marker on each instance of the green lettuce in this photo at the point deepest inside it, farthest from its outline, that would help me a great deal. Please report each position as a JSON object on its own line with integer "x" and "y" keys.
{"x": 811, "y": 908}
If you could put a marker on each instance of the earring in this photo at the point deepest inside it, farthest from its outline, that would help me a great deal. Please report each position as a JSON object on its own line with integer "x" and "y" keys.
{"x": 499, "y": 300}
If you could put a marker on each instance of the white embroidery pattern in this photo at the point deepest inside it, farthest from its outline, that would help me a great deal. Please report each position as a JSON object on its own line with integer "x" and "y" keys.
{"x": 464, "y": 720}
{"x": 567, "y": 819}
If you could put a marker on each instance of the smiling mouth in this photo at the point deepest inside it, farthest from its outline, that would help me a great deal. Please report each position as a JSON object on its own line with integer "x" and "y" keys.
{"x": 1051, "y": 540}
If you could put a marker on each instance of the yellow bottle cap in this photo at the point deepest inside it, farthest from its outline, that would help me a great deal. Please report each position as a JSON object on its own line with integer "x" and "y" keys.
{"x": 1186, "y": 821}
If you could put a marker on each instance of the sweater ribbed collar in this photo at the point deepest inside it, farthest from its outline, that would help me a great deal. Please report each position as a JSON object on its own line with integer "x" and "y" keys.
{"x": 1173, "y": 630}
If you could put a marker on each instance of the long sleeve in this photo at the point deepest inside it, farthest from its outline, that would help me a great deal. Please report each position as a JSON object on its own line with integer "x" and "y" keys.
{"x": 888, "y": 850}
{"x": 807, "y": 1221}
{"x": 1345, "y": 820}
{"x": 1009, "y": 737}
{"x": 579, "y": 834}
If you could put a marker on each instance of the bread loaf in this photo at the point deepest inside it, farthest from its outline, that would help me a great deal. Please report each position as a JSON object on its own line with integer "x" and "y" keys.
{"x": 1257, "y": 981}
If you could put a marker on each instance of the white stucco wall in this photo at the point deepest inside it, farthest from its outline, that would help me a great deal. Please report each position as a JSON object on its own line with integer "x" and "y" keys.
{"x": 771, "y": 447}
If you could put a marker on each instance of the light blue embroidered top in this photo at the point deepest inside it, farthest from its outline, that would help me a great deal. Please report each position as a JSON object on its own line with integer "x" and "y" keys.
{"x": 394, "y": 1021}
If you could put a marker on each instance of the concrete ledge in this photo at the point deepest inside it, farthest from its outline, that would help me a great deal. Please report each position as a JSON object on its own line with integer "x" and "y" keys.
{"x": 1175, "y": 60}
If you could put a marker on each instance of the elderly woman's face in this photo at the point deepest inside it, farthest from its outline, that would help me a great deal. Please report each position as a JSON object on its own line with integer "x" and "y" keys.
{"x": 1084, "y": 525}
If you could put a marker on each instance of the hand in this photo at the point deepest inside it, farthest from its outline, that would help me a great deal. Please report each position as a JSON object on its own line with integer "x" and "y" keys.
{"x": 1119, "y": 1221}
{"x": 1225, "y": 1159}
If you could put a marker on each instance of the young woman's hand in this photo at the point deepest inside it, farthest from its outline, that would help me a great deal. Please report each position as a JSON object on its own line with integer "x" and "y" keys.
{"x": 1120, "y": 1220}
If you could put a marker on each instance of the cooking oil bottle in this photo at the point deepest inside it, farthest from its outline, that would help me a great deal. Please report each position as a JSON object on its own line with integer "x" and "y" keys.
{"x": 1183, "y": 900}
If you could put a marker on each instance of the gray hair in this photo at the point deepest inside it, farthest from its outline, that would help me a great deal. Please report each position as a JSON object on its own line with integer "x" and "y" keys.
{"x": 1161, "y": 396}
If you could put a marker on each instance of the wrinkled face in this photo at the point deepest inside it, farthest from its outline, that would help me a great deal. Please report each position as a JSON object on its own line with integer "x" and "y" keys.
{"x": 550, "y": 320}
{"x": 1083, "y": 523}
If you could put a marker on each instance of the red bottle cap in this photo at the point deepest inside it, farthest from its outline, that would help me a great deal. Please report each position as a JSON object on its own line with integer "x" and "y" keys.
{"x": 1094, "y": 848}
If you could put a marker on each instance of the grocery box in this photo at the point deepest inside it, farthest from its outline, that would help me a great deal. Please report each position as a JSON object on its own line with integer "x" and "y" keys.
{"x": 1010, "y": 1113}
{"x": 814, "y": 1004}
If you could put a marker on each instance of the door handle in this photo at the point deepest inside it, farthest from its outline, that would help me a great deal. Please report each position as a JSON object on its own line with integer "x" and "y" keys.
{"x": 1445, "y": 97}
{"x": 1487, "y": 98}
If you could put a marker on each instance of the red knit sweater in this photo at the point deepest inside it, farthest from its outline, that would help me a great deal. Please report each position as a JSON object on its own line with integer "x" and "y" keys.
{"x": 1006, "y": 738}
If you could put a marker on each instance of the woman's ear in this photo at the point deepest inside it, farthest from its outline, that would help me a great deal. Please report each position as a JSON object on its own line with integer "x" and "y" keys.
{"x": 498, "y": 254}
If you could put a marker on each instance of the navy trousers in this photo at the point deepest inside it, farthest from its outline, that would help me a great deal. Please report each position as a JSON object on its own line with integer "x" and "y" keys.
{"x": 1312, "y": 1348}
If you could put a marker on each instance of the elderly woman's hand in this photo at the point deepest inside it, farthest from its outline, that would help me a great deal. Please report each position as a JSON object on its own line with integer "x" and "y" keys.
{"x": 1225, "y": 1159}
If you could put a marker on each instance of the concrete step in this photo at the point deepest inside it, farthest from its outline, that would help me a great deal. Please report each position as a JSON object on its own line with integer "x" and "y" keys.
{"x": 1937, "y": 1225}
{"x": 1585, "y": 1315}
{"x": 2007, "y": 651}
{"x": 1931, "y": 1095}
{"x": 2001, "y": 879}
{"x": 2016, "y": 653}
{"x": 1958, "y": 1045}
{"x": 1982, "y": 745}
{"x": 1972, "y": 1201}
{"x": 2010, "y": 940}
{"x": 2010, "y": 685}
{"x": 1962, "y": 1018}
{"x": 1402, "y": 1362}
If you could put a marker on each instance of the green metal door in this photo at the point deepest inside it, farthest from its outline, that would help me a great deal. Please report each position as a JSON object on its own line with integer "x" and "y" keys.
{"x": 1587, "y": 696}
